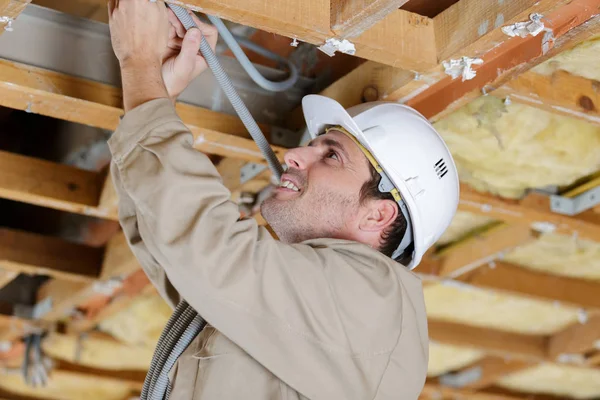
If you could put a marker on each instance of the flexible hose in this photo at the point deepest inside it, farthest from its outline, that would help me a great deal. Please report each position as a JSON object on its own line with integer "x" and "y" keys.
{"x": 237, "y": 103}
{"x": 162, "y": 352}
{"x": 234, "y": 44}
{"x": 193, "y": 329}
{"x": 159, "y": 349}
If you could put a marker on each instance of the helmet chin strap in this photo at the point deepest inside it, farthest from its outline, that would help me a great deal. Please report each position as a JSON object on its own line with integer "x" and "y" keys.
{"x": 386, "y": 186}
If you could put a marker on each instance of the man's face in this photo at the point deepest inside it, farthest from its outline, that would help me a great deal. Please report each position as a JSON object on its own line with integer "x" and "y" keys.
{"x": 322, "y": 195}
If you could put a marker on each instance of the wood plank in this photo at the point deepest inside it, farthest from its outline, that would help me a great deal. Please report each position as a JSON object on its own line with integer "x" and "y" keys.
{"x": 43, "y": 255}
{"x": 61, "y": 96}
{"x": 575, "y": 339}
{"x": 482, "y": 248}
{"x": 493, "y": 368}
{"x": 468, "y": 20}
{"x": 495, "y": 342}
{"x": 533, "y": 209}
{"x": 561, "y": 93}
{"x": 48, "y": 184}
{"x": 536, "y": 284}
{"x": 10, "y": 10}
{"x": 350, "y": 18}
{"x": 65, "y": 296}
{"x": 435, "y": 94}
{"x": 436, "y": 392}
{"x": 505, "y": 60}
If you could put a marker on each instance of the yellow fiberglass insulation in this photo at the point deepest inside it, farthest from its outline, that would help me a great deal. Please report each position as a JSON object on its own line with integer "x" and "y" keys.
{"x": 581, "y": 60}
{"x": 469, "y": 305}
{"x": 559, "y": 255}
{"x": 506, "y": 149}
{"x": 559, "y": 380}
{"x": 63, "y": 385}
{"x": 463, "y": 223}
{"x": 445, "y": 358}
{"x": 98, "y": 353}
{"x": 141, "y": 323}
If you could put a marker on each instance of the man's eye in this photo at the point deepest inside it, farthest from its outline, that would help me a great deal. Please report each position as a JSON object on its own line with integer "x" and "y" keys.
{"x": 333, "y": 155}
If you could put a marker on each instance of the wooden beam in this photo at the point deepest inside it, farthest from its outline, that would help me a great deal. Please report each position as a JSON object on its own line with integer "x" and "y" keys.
{"x": 43, "y": 255}
{"x": 576, "y": 339}
{"x": 350, "y": 18}
{"x": 491, "y": 369}
{"x": 536, "y": 284}
{"x": 61, "y": 96}
{"x": 466, "y": 21}
{"x": 534, "y": 209}
{"x": 482, "y": 248}
{"x": 561, "y": 93}
{"x": 505, "y": 60}
{"x": 495, "y": 342}
{"x": 48, "y": 184}
{"x": 435, "y": 94}
{"x": 438, "y": 392}
{"x": 9, "y": 11}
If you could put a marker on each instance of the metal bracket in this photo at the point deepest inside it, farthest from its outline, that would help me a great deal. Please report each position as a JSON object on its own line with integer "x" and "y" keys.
{"x": 461, "y": 379}
{"x": 250, "y": 171}
{"x": 577, "y": 204}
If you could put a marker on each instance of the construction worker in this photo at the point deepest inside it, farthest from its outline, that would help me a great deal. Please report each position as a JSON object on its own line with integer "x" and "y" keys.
{"x": 327, "y": 311}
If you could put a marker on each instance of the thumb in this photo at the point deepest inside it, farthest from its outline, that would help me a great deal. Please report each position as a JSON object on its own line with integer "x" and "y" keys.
{"x": 190, "y": 46}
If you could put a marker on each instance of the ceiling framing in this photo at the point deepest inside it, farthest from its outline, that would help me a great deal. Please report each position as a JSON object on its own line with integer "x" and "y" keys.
{"x": 410, "y": 72}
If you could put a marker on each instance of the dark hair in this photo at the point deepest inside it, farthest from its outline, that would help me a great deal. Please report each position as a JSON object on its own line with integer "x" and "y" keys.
{"x": 393, "y": 234}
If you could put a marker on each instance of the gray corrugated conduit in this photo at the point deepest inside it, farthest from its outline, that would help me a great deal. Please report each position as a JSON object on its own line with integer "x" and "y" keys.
{"x": 185, "y": 323}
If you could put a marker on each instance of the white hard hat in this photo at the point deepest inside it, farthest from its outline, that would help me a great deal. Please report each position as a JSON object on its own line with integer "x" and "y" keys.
{"x": 412, "y": 155}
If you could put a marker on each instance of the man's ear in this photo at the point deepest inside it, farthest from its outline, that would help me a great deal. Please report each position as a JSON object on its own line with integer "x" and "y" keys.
{"x": 379, "y": 215}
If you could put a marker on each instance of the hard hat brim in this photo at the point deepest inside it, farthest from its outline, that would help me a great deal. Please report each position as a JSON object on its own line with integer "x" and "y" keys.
{"x": 321, "y": 112}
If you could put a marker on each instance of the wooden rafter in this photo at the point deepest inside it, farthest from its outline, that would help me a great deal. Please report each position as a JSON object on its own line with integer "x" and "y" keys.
{"x": 434, "y": 93}
{"x": 42, "y": 255}
{"x": 560, "y": 92}
{"x": 65, "y": 97}
{"x": 351, "y": 18}
{"x": 10, "y": 9}
{"x": 579, "y": 338}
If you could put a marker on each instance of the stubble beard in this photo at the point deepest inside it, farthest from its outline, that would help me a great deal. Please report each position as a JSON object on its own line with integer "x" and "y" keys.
{"x": 310, "y": 216}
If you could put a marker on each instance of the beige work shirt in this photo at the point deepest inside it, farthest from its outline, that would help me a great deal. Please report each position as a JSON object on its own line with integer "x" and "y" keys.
{"x": 325, "y": 319}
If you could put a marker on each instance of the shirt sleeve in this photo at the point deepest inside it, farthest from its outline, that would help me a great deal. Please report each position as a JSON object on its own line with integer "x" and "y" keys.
{"x": 323, "y": 324}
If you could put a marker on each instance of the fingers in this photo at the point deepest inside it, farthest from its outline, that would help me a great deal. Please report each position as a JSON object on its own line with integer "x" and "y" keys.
{"x": 191, "y": 44}
{"x": 179, "y": 28}
{"x": 209, "y": 32}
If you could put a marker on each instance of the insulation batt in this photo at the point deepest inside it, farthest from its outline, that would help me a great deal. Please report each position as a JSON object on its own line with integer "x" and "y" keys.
{"x": 581, "y": 60}
{"x": 506, "y": 149}
{"x": 483, "y": 308}
{"x": 445, "y": 358}
{"x": 559, "y": 380}
{"x": 559, "y": 255}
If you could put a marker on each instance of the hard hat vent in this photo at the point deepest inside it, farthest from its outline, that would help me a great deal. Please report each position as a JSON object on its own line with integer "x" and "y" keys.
{"x": 440, "y": 168}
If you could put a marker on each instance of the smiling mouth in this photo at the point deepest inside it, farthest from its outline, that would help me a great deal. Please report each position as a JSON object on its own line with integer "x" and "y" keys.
{"x": 286, "y": 184}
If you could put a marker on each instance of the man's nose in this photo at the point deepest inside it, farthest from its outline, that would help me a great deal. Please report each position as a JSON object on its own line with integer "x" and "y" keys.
{"x": 300, "y": 157}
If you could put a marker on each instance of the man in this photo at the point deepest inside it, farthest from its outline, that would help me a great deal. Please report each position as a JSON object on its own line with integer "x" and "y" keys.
{"x": 322, "y": 313}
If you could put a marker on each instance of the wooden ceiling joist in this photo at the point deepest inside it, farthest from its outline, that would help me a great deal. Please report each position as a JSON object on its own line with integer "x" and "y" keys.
{"x": 10, "y": 9}
{"x": 435, "y": 94}
{"x": 491, "y": 341}
{"x": 526, "y": 282}
{"x": 577, "y": 339}
{"x": 30, "y": 253}
{"x": 48, "y": 184}
{"x": 561, "y": 93}
{"x": 65, "y": 97}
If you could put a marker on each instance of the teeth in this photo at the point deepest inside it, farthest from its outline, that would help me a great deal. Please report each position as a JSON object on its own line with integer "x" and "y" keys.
{"x": 289, "y": 185}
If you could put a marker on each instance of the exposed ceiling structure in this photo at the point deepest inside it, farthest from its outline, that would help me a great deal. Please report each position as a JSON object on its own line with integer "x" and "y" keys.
{"x": 513, "y": 287}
